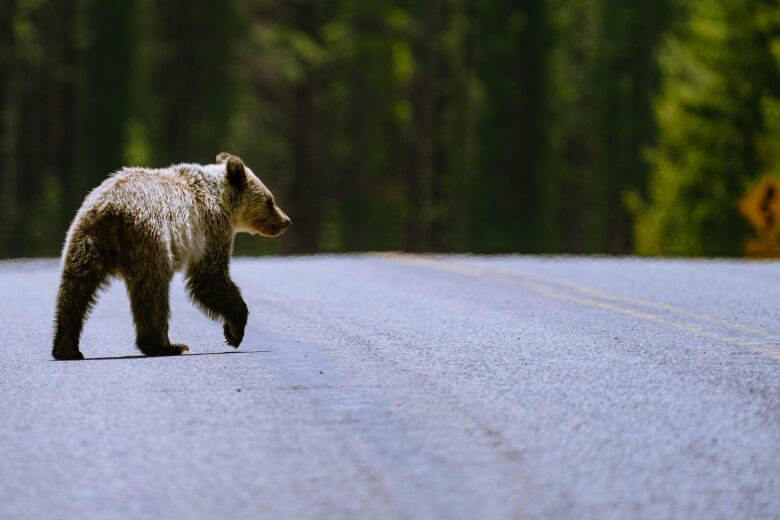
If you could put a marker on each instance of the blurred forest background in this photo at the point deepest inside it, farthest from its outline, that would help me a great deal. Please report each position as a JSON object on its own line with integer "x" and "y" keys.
{"x": 536, "y": 126}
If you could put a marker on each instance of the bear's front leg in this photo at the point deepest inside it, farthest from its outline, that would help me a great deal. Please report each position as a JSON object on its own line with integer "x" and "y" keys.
{"x": 149, "y": 302}
{"x": 213, "y": 291}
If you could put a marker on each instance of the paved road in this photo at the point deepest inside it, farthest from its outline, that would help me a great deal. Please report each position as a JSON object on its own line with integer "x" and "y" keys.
{"x": 388, "y": 386}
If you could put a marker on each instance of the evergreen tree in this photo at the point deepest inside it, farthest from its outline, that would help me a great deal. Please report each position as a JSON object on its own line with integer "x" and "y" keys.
{"x": 717, "y": 70}
{"x": 433, "y": 146}
{"x": 443, "y": 125}
{"x": 769, "y": 144}
{"x": 570, "y": 131}
{"x": 40, "y": 64}
{"x": 604, "y": 74}
{"x": 189, "y": 78}
{"x": 508, "y": 187}
{"x": 374, "y": 65}
{"x": 624, "y": 80}
{"x": 8, "y": 203}
{"x": 108, "y": 65}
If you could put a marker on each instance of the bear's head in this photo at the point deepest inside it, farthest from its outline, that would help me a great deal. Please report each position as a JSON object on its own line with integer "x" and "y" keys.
{"x": 255, "y": 210}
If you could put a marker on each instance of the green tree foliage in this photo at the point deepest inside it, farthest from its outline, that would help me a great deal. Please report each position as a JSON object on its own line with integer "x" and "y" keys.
{"x": 446, "y": 125}
{"x": 108, "y": 64}
{"x": 367, "y": 101}
{"x": 8, "y": 210}
{"x": 285, "y": 125}
{"x": 604, "y": 75}
{"x": 374, "y": 66}
{"x": 625, "y": 77}
{"x": 768, "y": 21}
{"x": 39, "y": 114}
{"x": 190, "y": 76}
{"x": 508, "y": 187}
{"x": 715, "y": 112}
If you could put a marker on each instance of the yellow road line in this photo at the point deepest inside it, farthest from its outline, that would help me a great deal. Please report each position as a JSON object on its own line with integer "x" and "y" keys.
{"x": 773, "y": 352}
{"x": 752, "y": 329}
{"x": 550, "y": 288}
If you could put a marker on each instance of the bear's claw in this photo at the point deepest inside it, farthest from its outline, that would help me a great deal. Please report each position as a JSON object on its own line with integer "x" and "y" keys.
{"x": 65, "y": 356}
{"x": 231, "y": 337}
{"x": 174, "y": 349}
{"x": 180, "y": 348}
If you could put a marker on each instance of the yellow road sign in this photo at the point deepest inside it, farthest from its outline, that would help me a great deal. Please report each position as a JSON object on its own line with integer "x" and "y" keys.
{"x": 761, "y": 207}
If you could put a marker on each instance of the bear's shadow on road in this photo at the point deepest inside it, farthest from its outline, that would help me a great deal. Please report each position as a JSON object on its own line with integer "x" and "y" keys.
{"x": 142, "y": 356}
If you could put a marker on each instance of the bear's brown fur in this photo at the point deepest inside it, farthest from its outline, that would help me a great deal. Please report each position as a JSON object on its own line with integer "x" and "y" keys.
{"x": 143, "y": 225}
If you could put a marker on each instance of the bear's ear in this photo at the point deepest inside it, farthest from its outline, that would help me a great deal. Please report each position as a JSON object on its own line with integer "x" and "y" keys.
{"x": 222, "y": 157}
{"x": 234, "y": 171}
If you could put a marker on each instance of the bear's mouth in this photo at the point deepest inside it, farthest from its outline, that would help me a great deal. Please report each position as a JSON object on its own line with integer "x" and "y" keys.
{"x": 271, "y": 231}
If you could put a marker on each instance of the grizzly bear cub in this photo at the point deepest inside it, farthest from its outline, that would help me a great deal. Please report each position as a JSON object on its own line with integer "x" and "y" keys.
{"x": 143, "y": 225}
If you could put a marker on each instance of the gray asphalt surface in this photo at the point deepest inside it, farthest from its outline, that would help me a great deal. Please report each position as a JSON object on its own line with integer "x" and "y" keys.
{"x": 391, "y": 386}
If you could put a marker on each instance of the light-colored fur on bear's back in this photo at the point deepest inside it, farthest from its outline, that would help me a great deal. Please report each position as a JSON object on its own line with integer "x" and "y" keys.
{"x": 174, "y": 206}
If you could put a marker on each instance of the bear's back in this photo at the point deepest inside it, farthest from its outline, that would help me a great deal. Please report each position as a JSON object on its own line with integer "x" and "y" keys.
{"x": 171, "y": 208}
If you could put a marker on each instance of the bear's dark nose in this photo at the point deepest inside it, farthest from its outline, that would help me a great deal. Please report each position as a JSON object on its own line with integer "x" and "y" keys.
{"x": 285, "y": 222}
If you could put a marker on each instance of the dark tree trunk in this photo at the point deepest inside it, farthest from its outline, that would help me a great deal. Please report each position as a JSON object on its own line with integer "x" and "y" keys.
{"x": 305, "y": 138}
{"x": 7, "y": 170}
{"x": 106, "y": 88}
{"x": 420, "y": 171}
{"x": 306, "y": 191}
{"x": 192, "y": 79}
{"x": 45, "y": 129}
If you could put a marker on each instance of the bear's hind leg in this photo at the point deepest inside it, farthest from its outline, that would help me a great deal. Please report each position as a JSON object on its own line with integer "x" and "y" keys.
{"x": 149, "y": 295}
{"x": 83, "y": 274}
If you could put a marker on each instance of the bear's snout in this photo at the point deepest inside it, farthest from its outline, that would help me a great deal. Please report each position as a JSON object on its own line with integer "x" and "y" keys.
{"x": 273, "y": 227}
{"x": 279, "y": 228}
